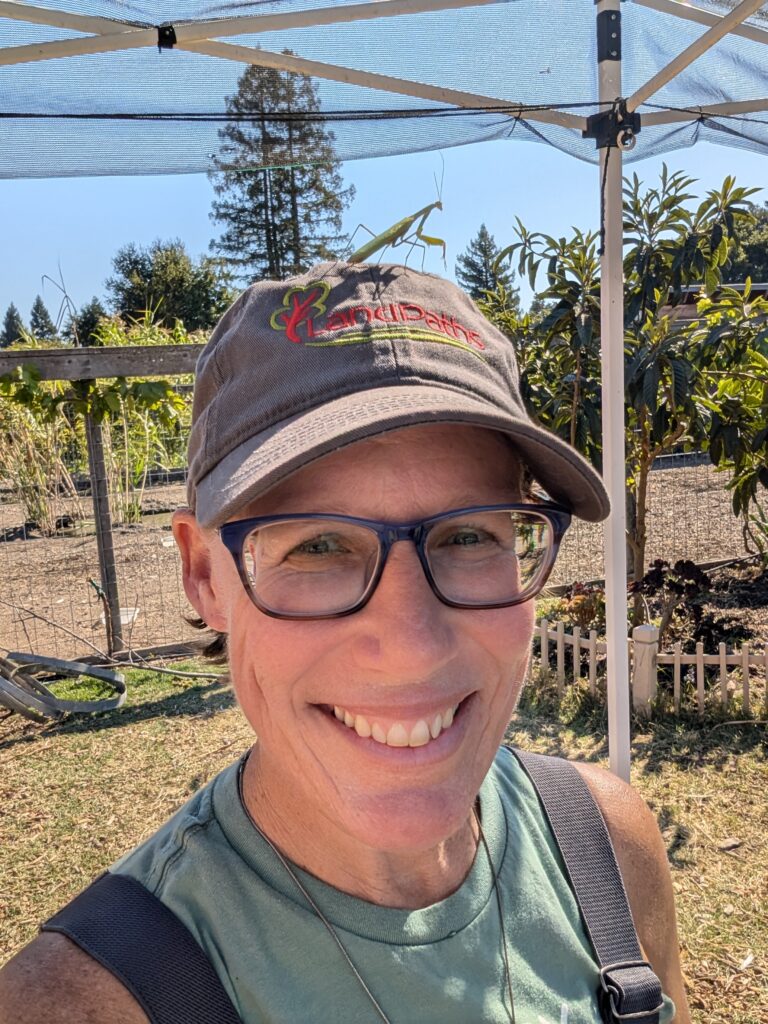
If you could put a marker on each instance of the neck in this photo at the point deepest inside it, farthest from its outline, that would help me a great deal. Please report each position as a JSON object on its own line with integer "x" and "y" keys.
{"x": 406, "y": 880}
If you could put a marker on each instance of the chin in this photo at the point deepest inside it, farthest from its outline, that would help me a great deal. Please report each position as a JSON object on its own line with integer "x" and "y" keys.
{"x": 410, "y": 821}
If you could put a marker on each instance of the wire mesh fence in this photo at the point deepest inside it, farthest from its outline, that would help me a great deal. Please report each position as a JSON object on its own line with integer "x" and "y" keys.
{"x": 689, "y": 516}
{"x": 52, "y": 600}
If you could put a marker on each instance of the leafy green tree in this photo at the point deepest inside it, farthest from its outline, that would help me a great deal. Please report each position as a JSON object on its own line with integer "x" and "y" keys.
{"x": 280, "y": 195}
{"x": 40, "y": 324}
{"x": 671, "y": 366}
{"x": 749, "y": 258}
{"x": 81, "y": 327}
{"x": 478, "y": 270}
{"x": 13, "y": 327}
{"x": 732, "y": 332}
{"x": 165, "y": 281}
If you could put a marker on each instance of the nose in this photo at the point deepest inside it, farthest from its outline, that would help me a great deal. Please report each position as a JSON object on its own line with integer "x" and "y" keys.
{"x": 405, "y": 630}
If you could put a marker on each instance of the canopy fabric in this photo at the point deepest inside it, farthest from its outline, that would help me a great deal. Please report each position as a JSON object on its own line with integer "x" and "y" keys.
{"x": 403, "y": 76}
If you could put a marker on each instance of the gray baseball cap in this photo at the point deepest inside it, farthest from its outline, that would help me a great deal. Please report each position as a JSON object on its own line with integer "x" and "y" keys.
{"x": 298, "y": 368}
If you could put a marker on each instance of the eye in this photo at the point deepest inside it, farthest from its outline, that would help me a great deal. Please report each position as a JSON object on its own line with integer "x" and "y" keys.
{"x": 468, "y": 537}
{"x": 323, "y": 544}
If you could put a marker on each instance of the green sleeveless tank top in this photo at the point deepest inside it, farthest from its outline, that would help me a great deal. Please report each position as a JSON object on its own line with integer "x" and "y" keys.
{"x": 439, "y": 965}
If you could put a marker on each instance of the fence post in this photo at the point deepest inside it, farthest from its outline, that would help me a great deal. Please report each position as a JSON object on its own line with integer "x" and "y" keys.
{"x": 592, "y": 661}
{"x": 745, "y": 680}
{"x": 103, "y": 517}
{"x": 544, "y": 637}
{"x": 700, "y": 690}
{"x": 560, "y": 634}
{"x": 576, "y": 653}
{"x": 644, "y": 676}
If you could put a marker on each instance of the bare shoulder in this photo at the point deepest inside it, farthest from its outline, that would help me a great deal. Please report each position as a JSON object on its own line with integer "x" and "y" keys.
{"x": 53, "y": 980}
{"x": 642, "y": 858}
{"x": 629, "y": 819}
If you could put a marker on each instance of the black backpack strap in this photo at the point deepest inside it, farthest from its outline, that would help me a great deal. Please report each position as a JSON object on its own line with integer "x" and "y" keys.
{"x": 629, "y": 990}
{"x": 135, "y": 936}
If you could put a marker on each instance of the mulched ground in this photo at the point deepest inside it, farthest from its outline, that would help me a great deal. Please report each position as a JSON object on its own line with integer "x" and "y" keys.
{"x": 740, "y": 592}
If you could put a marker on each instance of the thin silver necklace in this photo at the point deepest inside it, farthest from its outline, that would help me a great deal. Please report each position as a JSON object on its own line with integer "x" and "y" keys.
{"x": 332, "y": 931}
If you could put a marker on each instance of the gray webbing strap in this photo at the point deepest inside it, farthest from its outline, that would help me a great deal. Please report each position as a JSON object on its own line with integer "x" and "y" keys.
{"x": 130, "y": 932}
{"x": 628, "y": 989}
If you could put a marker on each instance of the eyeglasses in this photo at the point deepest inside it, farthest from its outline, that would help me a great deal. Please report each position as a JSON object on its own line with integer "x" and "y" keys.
{"x": 317, "y": 566}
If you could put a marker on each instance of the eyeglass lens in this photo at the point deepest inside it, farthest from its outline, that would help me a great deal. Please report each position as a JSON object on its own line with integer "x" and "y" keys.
{"x": 310, "y": 567}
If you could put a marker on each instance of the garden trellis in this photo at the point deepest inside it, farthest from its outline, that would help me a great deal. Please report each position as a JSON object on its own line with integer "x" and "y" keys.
{"x": 107, "y": 87}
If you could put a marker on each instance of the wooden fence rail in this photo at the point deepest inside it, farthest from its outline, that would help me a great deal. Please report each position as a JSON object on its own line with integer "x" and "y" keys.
{"x": 644, "y": 659}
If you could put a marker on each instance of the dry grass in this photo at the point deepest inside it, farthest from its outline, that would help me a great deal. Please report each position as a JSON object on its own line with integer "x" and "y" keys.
{"x": 78, "y": 794}
{"x": 707, "y": 783}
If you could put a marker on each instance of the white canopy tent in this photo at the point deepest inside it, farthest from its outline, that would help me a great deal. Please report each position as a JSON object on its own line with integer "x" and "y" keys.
{"x": 704, "y": 65}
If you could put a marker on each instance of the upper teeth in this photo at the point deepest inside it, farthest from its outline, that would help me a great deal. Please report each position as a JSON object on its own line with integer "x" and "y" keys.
{"x": 398, "y": 734}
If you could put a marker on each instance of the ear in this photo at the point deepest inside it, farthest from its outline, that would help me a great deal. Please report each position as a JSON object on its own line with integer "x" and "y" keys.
{"x": 199, "y": 584}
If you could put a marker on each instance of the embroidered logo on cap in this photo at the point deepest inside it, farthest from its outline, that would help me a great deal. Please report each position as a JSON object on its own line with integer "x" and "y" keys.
{"x": 297, "y": 306}
{"x": 302, "y": 316}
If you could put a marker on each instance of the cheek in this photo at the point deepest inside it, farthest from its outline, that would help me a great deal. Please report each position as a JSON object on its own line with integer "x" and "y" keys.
{"x": 271, "y": 662}
{"x": 507, "y": 634}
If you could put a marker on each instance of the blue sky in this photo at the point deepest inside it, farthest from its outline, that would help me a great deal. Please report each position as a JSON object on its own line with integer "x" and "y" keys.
{"x": 70, "y": 228}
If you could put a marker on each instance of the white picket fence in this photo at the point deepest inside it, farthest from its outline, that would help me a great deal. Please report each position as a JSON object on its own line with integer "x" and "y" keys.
{"x": 644, "y": 660}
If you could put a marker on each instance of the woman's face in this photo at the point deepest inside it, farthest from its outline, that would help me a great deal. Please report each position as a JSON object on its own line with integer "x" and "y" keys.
{"x": 404, "y": 658}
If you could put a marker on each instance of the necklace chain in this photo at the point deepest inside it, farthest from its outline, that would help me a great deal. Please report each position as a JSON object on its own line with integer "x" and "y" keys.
{"x": 332, "y": 931}
{"x": 496, "y": 889}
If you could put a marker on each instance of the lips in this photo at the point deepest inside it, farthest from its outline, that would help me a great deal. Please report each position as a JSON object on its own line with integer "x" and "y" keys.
{"x": 398, "y": 732}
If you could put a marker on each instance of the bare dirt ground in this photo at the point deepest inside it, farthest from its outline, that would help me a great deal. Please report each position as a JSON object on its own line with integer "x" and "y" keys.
{"x": 47, "y": 596}
{"x": 48, "y": 605}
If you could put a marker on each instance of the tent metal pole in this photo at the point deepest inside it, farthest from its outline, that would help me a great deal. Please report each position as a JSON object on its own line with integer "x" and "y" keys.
{"x": 30, "y": 53}
{"x": 373, "y": 80}
{"x": 711, "y": 110}
{"x": 235, "y": 25}
{"x": 612, "y": 356}
{"x": 696, "y": 14}
{"x": 112, "y": 35}
{"x": 34, "y": 15}
{"x": 705, "y": 42}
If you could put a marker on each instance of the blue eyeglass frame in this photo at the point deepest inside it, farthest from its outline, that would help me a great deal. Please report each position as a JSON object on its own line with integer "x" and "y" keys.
{"x": 233, "y": 537}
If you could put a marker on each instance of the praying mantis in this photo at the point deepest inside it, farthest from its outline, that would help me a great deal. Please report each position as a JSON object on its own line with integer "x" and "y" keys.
{"x": 408, "y": 231}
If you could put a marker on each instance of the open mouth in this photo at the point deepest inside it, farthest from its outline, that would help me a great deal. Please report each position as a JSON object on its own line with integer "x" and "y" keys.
{"x": 400, "y": 733}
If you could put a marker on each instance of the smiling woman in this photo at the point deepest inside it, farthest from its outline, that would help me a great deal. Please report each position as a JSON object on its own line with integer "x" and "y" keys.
{"x": 364, "y": 529}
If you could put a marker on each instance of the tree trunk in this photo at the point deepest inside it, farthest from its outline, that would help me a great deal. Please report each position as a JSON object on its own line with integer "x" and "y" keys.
{"x": 576, "y": 398}
{"x": 631, "y": 513}
{"x": 294, "y": 206}
{"x": 270, "y": 237}
{"x": 639, "y": 533}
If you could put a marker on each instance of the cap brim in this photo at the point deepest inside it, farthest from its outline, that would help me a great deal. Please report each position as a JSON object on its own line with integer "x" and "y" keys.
{"x": 262, "y": 461}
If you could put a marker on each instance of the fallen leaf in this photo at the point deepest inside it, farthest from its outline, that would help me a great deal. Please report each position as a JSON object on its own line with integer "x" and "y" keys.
{"x": 729, "y": 844}
{"x": 746, "y": 962}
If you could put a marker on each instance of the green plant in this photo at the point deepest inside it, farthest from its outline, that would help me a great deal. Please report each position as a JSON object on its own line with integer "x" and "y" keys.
{"x": 584, "y": 606}
{"x": 550, "y": 607}
{"x": 35, "y": 449}
{"x": 143, "y": 425}
{"x": 675, "y": 596}
{"x": 164, "y": 281}
{"x": 756, "y": 530}
{"x": 141, "y": 413}
{"x": 681, "y": 377}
